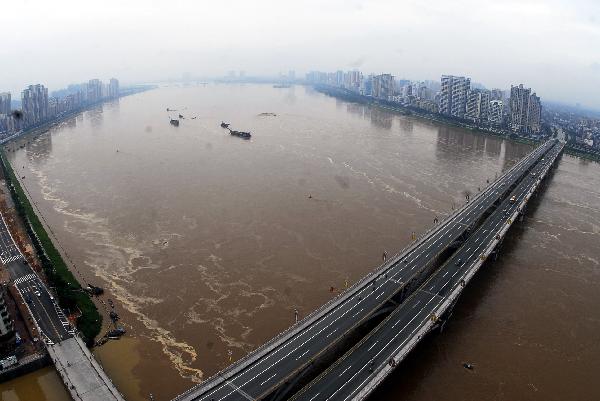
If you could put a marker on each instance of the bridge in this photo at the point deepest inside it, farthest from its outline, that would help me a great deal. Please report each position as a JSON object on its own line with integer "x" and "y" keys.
{"x": 344, "y": 349}
{"x": 83, "y": 377}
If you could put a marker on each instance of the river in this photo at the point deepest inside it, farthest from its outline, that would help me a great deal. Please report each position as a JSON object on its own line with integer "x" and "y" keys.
{"x": 207, "y": 242}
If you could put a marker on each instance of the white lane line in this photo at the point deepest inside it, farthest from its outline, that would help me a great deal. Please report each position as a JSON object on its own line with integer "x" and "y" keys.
{"x": 372, "y": 345}
{"x": 345, "y": 370}
{"x": 385, "y": 346}
{"x": 304, "y": 353}
{"x": 263, "y": 383}
{"x": 239, "y": 390}
{"x": 327, "y": 336}
{"x": 468, "y": 210}
{"x": 358, "y": 312}
{"x": 393, "y": 340}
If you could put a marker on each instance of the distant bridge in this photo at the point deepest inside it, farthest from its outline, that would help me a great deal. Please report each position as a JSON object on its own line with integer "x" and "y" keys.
{"x": 345, "y": 348}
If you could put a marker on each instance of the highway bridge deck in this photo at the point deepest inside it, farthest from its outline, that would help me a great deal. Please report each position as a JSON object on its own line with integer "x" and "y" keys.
{"x": 358, "y": 372}
{"x": 276, "y": 366}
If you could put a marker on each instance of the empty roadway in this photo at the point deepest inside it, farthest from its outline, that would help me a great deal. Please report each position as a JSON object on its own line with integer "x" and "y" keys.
{"x": 350, "y": 374}
{"x": 300, "y": 346}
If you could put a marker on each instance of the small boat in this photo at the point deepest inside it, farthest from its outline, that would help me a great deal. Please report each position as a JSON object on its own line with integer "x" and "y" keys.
{"x": 174, "y": 122}
{"x": 93, "y": 290}
{"x": 115, "y": 334}
{"x": 241, "y": 134}
{"x": 224, "y": 125}
{"x": 101, "y": 341}
{"x": 180, "y": 116}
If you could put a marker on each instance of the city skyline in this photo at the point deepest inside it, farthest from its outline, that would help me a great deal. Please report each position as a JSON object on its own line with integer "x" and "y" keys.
{"x": 38, "y": 107}
{"x": 410, "y": 40}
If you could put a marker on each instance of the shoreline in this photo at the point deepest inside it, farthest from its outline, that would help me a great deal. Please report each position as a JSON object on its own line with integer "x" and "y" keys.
{"x": 419, "y": 113}
{"x": 68, "y": 289}
{"x": 46, "y": 125}
{"x": 434, "y": 117}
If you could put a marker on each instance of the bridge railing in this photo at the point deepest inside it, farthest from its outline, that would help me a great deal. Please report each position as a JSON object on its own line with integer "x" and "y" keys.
{"x": 400, "y": 353}
{"x": 246, "y": 360}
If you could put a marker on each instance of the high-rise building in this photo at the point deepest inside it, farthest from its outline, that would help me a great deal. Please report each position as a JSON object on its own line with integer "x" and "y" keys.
{"x": 34, "y": 103}
{"x": 383, "y": 86}
{"x": 113, "y": 88}
{"x": 496, "y": 112}
{"x": 534, "y": 115}
{"x": 478, "y": 103}
{"x": 497, "y": 94}
{"x": 6, "y": 324}
{"x": 339, "y": 78}
{"x": 525, "y": 110}
{"x": 6, "y": 119}
{"x": 367, "y": 86}
{"x": 453, "y": 95}
{"x": 94, "y": 90}
{"x": 5, "y": 103}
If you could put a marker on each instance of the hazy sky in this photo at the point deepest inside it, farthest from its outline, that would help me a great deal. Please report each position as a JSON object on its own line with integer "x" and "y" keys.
{"x": 552, "y": 46}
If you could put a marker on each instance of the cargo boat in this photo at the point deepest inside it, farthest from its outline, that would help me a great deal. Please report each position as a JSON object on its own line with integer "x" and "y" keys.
{"x": 241, "y": 134}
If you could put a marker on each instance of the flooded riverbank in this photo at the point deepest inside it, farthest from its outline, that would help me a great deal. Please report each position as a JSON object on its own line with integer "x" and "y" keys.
{"x": 207, "y": 242}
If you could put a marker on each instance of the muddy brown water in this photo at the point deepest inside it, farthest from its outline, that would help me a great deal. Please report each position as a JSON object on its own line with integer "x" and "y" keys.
{"x": 207, "y": 243}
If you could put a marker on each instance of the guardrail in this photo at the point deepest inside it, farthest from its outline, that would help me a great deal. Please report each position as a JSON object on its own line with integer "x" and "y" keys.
{"x": 385, "y": 369}
{"x": 248, "y": 359}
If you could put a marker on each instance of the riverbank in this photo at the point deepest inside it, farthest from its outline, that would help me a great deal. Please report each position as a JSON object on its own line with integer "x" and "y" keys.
{"x": 69, "y": 292}
{"x": 59, "y": 119}
{"x": 26, "y": 365}
{"x": 582, "y": 154}
{"x": 422, "y": 114}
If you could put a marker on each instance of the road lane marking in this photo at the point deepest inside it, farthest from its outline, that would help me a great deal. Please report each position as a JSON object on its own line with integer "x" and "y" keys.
{"x": 304, "y": 353}
{"x": 372, "y": 345}
{"x": 239, "y": 390}
{"x": 263, "y": 383}
{"x": 510, "y": 174}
